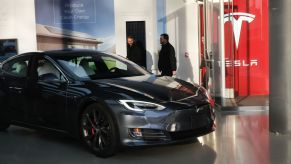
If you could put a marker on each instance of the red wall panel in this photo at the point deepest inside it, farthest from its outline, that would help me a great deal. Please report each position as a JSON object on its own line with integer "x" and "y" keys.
{"x": 246, "y": 47}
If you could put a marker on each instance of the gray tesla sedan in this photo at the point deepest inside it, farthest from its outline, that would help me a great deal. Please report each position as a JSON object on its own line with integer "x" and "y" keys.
{"x": 103, "y": 99}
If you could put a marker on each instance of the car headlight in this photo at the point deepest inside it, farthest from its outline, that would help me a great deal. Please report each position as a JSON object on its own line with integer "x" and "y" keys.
{"x": 140, "y": 105}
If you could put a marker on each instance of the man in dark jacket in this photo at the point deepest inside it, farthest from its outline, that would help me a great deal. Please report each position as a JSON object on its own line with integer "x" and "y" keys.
{"x": 134, "y": 52}
{"x": 167, "y": 60}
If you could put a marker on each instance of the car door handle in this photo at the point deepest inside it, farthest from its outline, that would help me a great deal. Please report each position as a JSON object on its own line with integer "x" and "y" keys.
{"x": 19, "y": 90}
{"x": 15, "y": 88}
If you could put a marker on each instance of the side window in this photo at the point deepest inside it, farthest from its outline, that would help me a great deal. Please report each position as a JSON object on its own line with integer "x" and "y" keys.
{"x": 81, "y": 66}
{"x": 18, "y": 67}
{"x": 47, "y": 71}
{"x": 112, "y": 63}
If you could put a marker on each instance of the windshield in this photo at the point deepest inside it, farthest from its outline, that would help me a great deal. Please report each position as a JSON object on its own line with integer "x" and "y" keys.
{"x": 98, "y": 66}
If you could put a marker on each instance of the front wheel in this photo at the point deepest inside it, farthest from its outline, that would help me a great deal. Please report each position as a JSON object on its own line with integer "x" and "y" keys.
{"x": 99, "y": 132}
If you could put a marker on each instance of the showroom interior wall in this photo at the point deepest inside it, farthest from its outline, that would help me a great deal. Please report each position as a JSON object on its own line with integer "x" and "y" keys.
{"x": 17, "y": 21}
{"x": 182, "y": 27}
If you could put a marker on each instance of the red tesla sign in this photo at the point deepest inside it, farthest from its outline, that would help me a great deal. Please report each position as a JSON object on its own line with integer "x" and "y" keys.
{"x": 246, "y": 47}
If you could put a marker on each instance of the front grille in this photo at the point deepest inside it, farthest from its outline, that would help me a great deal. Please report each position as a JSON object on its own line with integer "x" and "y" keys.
{"x": 152, "y": 134}
{"x": 203, "y": 109}
{"x": 190, "y": 134}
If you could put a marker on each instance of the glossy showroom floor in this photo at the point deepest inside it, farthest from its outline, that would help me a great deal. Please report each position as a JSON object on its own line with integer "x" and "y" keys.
{"x": 240, "y": 138}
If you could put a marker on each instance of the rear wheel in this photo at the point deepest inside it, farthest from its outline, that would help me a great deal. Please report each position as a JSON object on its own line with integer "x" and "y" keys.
{"x": 99, "y": 132}
{"x": 5, "y": 118}
{"x": 4, "y": 126}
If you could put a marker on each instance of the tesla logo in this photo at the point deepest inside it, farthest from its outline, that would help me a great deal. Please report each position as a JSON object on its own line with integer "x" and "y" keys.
{"x": 197, "y": 110}
{"x": 241, "y": 63}
{"x": 237, "y": 23}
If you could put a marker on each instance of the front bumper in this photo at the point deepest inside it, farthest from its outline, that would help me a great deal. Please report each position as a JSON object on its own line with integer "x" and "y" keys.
{"x": 165, "y": 127}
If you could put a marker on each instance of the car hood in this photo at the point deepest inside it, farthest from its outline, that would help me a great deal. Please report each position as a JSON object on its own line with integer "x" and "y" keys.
{"x": 159, "y": 88}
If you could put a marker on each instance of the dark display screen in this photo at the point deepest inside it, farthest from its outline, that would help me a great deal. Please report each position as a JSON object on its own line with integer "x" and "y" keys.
{"x": 8, "y": 48}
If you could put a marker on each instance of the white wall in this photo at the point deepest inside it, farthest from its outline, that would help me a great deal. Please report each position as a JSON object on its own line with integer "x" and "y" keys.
{"x": 183, "y": 29}
{"x": 17, "y": 21}
{"x": 137, "y": 10}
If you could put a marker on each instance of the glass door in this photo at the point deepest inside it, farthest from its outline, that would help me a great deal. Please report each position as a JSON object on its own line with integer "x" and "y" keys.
{"x": 212, "y": 44}
{"x": 229, "y": 42}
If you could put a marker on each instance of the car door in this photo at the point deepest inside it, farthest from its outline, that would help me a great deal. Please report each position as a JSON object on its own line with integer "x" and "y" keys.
{"x": 15, "y": 76}
{"x": 49, "y": 94}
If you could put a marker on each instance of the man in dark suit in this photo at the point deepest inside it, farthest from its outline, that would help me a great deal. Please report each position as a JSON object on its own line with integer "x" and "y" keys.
{"x": 167, "y": 59}
{"x": 134, "y": 52}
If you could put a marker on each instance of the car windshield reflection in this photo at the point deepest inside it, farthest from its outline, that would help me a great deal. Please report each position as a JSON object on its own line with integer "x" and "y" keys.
{"x": 99, "y": 66}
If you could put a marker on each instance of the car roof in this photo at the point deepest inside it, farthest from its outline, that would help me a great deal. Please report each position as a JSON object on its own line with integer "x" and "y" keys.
{"x": 58, "y": 53}
{"x": 69, "y": 51}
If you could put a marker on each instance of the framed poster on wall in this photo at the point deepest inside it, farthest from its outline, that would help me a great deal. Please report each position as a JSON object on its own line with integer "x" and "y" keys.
{"x": 81, "y": 24}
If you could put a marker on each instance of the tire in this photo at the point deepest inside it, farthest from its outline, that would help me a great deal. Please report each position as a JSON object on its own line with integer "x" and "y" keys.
{"x": 5, "y": 118}
{"x": 4, "y": 125}
{"x": 99, "y": 131}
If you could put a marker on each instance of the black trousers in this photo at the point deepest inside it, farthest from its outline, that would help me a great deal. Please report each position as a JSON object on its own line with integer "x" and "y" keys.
{"x": 167, "y": 73}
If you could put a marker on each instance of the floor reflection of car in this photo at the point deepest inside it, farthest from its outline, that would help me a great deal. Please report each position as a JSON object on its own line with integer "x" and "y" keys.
{"x": 105, "y": 100}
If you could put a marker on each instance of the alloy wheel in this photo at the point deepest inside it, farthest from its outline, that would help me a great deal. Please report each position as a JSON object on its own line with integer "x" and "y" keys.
{"x": 97, "y": 130}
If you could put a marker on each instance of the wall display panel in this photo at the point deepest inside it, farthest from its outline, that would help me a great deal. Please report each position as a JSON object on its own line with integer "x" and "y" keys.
{"x": 8, "y": 48}
{"x": 87, "y": 24}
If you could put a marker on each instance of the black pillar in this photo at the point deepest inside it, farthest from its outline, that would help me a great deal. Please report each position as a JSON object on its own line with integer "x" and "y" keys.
{"x": 280, "y": 65}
